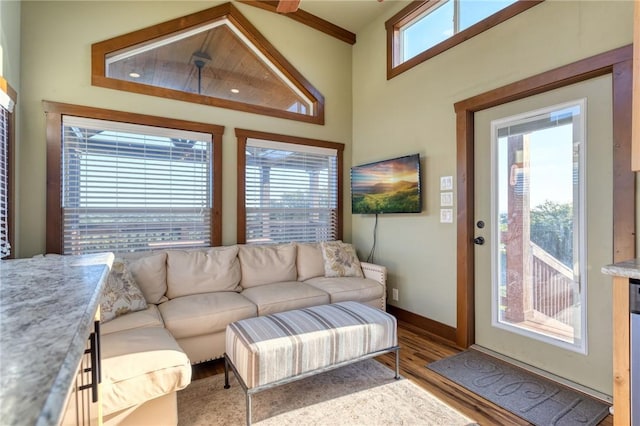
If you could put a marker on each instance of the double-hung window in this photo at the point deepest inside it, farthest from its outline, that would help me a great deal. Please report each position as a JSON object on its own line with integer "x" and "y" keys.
{"x": 128, "y": 187}
{"x": 424, "y": 29}
{"x": 289, "y": 189}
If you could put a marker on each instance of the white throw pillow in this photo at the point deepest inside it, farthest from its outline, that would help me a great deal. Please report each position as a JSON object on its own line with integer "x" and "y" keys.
{"x": 202, "y": 271}
{"x": 309, "y": 261}
{"x": 149, "y": 270}
{"x": 267, "y": 264}
{"x": 340, "y": 260}
{"x": 121, "y": 294}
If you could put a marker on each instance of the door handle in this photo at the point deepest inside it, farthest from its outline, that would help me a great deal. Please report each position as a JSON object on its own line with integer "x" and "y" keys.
{"x": 478, "y": 240}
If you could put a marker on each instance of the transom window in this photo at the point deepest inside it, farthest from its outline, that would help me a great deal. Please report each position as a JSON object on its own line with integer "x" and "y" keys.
{"x": 290, "y": 189}
{"x": 425, "y": 29}
{"x": 128, "y": 187}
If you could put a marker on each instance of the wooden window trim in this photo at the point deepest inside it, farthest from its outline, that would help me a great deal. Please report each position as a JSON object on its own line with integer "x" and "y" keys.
{"x": 101, "y": 49}
{"x": 415, "y": 9}
{"x": 617, "y": 62}
{"x": 13, "y": 96}
{"x": 55, "y": 111}
{"x": 242, "y": 135}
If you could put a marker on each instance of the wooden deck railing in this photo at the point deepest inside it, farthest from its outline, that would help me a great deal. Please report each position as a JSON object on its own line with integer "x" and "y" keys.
{"x": 554, "y": 288}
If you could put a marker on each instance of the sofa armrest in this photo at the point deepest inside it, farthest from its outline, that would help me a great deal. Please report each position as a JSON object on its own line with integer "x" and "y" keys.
{"x": 375, "y": 272}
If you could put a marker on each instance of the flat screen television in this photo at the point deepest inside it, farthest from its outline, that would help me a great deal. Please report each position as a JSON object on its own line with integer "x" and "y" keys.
{"x": 388, "y": 186}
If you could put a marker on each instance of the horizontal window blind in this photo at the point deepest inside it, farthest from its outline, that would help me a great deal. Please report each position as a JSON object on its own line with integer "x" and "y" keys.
{"x": 5, "y": 246}
{"x": 129, "y": 187}
{"x": 291, "y": 192}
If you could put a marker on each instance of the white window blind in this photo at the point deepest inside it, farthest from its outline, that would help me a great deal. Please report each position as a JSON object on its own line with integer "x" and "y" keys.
{"x": 128, "y": 187}
{"x": 5, "y": 246}
{"x": 291, "y": 192}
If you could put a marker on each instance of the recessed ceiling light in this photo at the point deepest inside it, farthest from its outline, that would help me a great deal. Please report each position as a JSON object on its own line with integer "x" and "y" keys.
{"x": 235, "y": 91}
{"x": 134, "y": 75}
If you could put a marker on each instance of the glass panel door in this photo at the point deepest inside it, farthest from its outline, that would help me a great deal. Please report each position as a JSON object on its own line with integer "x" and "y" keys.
{"x": 538, "y": 225}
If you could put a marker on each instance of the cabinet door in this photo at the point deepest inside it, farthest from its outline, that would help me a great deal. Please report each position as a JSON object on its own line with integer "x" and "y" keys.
{"x": 83, "y": 403}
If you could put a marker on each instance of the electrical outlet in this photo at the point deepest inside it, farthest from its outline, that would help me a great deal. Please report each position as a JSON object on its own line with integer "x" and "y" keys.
{"x": 394, "y": 294}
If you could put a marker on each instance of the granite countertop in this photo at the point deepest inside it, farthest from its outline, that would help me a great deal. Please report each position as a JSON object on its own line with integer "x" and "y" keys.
{"x": 47, "y": 308}
{"x": 628, "y": 268}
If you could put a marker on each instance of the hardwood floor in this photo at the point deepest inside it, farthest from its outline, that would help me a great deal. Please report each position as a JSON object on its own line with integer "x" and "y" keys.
{"x": 419, "y": 348}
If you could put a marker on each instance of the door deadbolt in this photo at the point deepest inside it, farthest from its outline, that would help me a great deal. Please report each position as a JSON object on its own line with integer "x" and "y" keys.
{"x": 480, "y": 224}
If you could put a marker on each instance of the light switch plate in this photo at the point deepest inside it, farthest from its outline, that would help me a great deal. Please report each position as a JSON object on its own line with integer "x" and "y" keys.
{"x": 446, "y": 199}
{"x": 446, "y": 183}
{"x": 446, "y": 215}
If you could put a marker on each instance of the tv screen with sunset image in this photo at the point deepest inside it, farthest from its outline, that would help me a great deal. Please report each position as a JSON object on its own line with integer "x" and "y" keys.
{"x": 389, "y": 186}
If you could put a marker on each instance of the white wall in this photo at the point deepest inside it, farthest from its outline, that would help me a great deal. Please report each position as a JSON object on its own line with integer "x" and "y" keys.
{"x": 414, "y": 113}
{"x": 56, "y": 48}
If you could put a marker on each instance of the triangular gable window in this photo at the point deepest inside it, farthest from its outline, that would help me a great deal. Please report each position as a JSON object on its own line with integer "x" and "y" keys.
{"x": 214, "y": 57}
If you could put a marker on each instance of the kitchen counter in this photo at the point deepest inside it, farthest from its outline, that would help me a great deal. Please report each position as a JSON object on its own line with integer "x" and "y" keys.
{"x": 47, "y": 310}
{"x": 626, "y": 269}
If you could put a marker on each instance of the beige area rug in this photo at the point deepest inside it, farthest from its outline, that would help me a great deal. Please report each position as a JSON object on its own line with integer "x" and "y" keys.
{"x": 364, "y": 393}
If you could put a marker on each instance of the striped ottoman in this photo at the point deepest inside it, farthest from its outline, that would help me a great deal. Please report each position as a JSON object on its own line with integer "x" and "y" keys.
{"x": 276, "y": 349}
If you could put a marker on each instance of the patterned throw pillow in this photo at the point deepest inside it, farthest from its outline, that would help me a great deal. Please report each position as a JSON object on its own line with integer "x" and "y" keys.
{"x": 121, "y": 294}
{"x": 340, "y": 260}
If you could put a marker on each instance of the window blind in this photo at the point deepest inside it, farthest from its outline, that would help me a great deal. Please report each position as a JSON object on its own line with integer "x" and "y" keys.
{"x": 291, "y": 192}
{"x": 128, "y": 187}
{"x": 5, "y": 246}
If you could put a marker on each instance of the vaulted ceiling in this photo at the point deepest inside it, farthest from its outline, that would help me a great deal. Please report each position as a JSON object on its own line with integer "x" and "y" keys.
{"x": 352, "y": 15}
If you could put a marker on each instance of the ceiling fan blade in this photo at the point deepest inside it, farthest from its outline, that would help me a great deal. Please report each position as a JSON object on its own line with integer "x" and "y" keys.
{"x": 287, "y": 6}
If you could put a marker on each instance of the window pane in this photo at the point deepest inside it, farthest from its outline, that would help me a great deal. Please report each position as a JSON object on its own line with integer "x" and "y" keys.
{"x": 429, "y": 30}
{"x": 131, "y": 190}
{"x": 290, "y": 193}
{"x": 425, "y": 29}
{"x": 540, "y": 288}
{"x": 474, "y": 11}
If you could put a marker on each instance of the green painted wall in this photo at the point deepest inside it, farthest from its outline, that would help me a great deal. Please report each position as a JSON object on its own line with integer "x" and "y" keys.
{"x": 414, "y": 112}
{"x": 56, "y": 48}
{"x": 10, "y": 42}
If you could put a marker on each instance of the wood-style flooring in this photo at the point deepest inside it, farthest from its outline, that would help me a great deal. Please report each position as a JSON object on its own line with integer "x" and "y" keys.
{"x": 419, "y": 348}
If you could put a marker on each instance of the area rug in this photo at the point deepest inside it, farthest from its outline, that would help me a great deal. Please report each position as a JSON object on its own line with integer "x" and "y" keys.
{"x": 532, "y": 397}
{"x": 364, "y": 393}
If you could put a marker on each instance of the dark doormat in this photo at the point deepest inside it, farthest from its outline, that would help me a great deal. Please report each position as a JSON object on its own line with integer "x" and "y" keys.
{"x": 534, "y": 398}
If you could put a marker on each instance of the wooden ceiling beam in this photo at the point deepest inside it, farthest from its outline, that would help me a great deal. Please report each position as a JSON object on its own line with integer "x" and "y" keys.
{"x": 287, "y": 6}
{"x": 305, "y": 18}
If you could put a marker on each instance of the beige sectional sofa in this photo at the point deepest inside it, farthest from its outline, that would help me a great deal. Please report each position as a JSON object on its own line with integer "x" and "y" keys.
{"x": 191, "y": 296}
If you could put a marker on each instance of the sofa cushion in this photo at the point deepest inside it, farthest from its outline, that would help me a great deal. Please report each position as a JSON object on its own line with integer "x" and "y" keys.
{"x": 340, "y": 260}
{"x": 121, "y": 294}
{"x": 284, "y": 296}
{"x": 150, "y": 272}
{"x": 309, "y": 261}
{"x": 267, "y": 264}
{"x": 139, "y": 365}
{"x": 194, "y": 272}
{"x": 207, "y": 313}
{"x": 149, "y": 317}
{"x": 348, "y": 288}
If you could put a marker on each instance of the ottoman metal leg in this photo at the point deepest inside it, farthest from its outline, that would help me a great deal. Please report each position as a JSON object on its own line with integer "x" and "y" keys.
{"x": 248, "y": 409}
{"x": 226, "y": 372}
{"x": 397, "y": 363}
